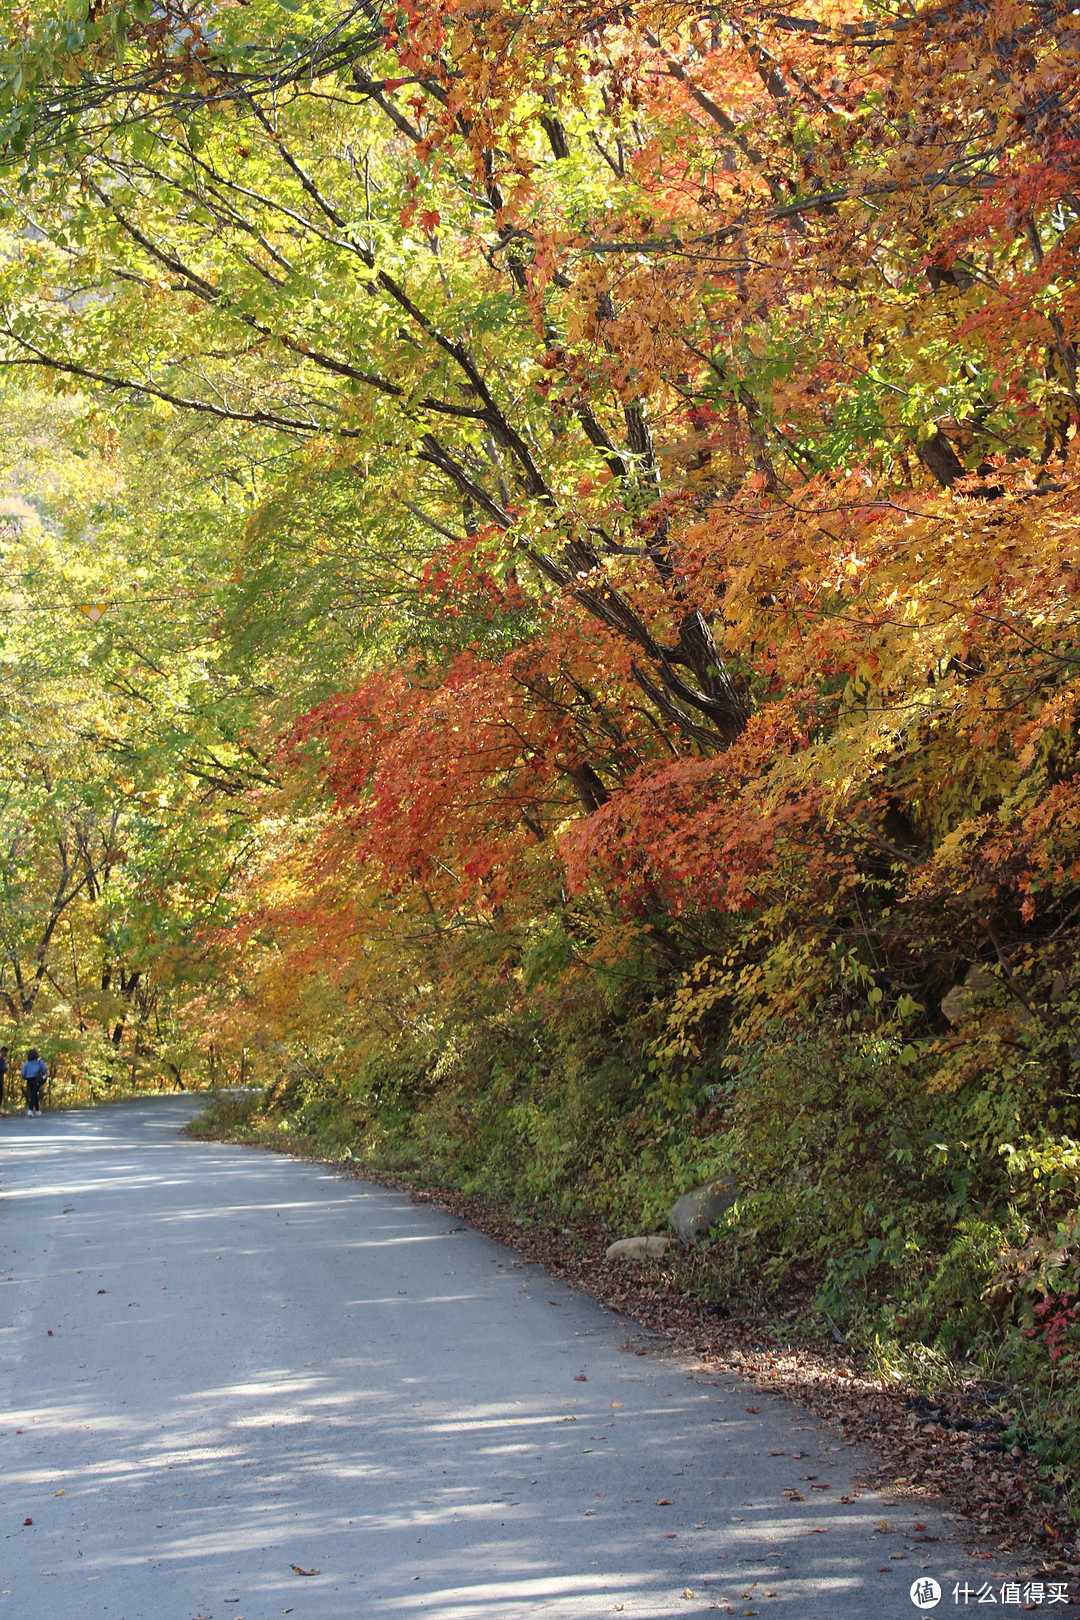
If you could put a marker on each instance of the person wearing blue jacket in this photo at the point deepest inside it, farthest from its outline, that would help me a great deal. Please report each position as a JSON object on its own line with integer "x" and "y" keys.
{"x": 34, "y": 1075}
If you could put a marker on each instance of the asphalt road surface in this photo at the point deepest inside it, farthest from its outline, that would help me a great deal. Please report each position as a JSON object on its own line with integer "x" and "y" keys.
{"x": 220, "y": 1368}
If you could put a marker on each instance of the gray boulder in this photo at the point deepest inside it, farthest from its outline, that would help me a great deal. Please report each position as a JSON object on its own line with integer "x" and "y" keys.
{"x": 980, "y": 980}
{"x": 639, "y": 1248}
{"x": 696, "y": 1211}
{"x": 959, "y": 1002}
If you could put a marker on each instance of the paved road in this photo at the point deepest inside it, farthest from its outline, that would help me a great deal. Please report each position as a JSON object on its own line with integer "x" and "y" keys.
{"x": 216, "y": 1363}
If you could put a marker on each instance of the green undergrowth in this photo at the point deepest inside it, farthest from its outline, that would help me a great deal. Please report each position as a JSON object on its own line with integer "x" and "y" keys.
{"x": 528, "y": 1113}
{"x": 935, "y": 1230}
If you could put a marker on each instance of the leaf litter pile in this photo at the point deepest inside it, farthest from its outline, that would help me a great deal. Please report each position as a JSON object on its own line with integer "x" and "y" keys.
{"x": 947, "y": 1446}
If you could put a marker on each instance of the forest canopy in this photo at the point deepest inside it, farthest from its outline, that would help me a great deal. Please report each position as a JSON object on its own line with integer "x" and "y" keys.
{"x": 540, "y": 605}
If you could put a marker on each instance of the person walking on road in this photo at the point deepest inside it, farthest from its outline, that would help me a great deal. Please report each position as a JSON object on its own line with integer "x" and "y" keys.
{"x": 3, "y": 1072}
{"x": 34, "y": 1074}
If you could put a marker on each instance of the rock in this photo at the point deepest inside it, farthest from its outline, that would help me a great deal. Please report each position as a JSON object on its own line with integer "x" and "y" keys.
{"x": 959, "y": 1002}
{"x": 980, "y": 980}
{"x": 639, "y": 1248}
{"x": 696, "y": 1211}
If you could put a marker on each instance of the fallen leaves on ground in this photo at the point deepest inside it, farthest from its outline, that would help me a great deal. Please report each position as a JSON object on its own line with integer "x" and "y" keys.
{"x": 297, "y": 1570}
